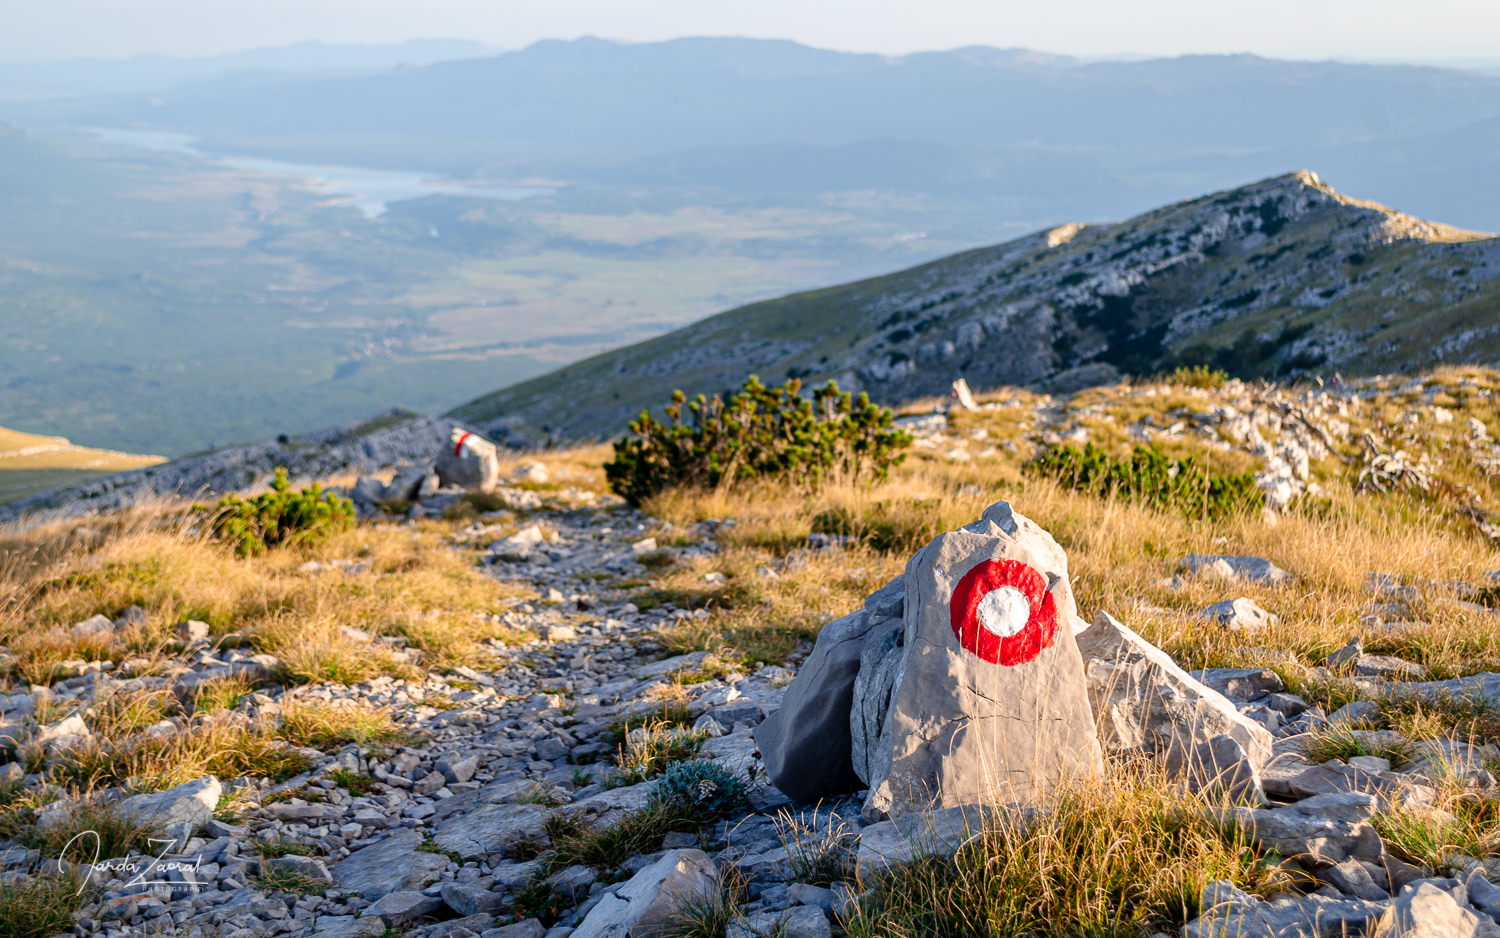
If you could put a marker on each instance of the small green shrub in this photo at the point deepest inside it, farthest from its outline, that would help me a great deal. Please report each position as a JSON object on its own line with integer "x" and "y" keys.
{"x": 760, "y": 433}
{"x": 280, "y": 847}
{"x": 282, "y": 879}
{"x": 352, "y": 782}
{"x": 1150, "y": 476}
{"x": 707, "y": 787}
{"x": 279, "y": 516}
{"x": 576, "y": 840}
{"x": 1199, "y": 376}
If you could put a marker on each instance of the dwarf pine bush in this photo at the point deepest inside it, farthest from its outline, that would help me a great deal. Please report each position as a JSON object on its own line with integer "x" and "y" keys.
{"x": 280, "y": 516}
{"x": 1150, "y": 476}
{"x": 759, "y": 433}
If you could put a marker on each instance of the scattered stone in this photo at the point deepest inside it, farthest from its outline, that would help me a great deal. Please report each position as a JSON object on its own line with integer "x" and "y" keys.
{"x": 1238, "y": 615}
{"x": 178, "y": 811}
{"x": 470, "y": 898}
{"x": 1245, "y": 569}
{"x": 1218, "y": 767}
{"x": 310, "y": 867}
{"x": 643, "y": 905}
{"x": 530, "y": 928}
{"x": 902, "y": 839}
{"x": 399, "y": 908}
{"x": 1143, "y": 701}
{"x": 191, "y": 630}
{"x": 489, "y": 830}
{"x": 1347, "y": 655}
{"x": 94, "y": 627}
{"x": 1423, "y": 910}
{"x": 800, "y": 921}
{"x": 391, "y": 865}
{"x": 347, "y": 926}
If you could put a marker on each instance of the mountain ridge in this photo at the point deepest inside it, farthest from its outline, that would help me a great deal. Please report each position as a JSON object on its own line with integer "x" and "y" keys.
{"x": 1277, "y": 277}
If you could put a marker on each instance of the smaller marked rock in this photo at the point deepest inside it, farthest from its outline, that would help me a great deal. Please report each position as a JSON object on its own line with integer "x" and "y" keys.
{"x": 1238, "y": 615}
{"x": 471, "y": 462}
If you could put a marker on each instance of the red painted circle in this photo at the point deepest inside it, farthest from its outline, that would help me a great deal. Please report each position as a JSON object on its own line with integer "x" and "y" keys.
{"x": 985, "y": 578}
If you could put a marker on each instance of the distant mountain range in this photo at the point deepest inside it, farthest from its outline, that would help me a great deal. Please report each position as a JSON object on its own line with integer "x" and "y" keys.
{"x": 1283, "y": 277}
{"x": 1037, "y": 137}
{"x": 151, "y": 73}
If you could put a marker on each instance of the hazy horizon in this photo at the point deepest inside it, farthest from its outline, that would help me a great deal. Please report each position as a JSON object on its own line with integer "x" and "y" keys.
{"x": 1448, "y": 33}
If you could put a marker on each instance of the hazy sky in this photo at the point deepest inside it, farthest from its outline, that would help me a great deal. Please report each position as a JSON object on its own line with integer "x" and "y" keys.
{"x": 1431, "y": 31}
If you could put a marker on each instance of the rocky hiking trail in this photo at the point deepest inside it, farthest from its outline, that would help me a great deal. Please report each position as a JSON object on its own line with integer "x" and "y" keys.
{"x": 442, "y": 827}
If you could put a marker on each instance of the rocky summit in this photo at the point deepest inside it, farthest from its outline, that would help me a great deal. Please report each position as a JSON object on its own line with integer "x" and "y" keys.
{"x": 1282, "y": 277}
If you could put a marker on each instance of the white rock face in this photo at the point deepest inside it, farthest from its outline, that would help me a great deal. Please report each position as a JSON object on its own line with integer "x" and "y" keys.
{"x": 984, "y": 706}
{"x": 1143, "y": 701}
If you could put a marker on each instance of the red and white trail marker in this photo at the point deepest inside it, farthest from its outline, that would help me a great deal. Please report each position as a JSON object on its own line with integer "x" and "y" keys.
{"x": 1002, "y": 612}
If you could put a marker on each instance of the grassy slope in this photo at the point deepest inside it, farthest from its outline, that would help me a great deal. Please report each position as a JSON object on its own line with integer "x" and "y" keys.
{"x": 1314, "y": 277}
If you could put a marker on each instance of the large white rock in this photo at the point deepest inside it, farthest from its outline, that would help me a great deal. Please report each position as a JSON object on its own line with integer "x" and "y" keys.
{"x": 1143, "y": 701}
{"x": 989, "y": 701}
{"x": 471, "y": 462}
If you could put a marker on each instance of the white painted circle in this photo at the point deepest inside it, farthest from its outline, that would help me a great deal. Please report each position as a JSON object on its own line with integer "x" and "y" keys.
{"x": 1004, "y": 611}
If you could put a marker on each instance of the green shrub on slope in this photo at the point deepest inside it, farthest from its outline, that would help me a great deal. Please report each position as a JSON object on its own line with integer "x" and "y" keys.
{"x": 760, "y": 433}
{"x": 280, "y": 516}
{"x": 1150, "y": 476}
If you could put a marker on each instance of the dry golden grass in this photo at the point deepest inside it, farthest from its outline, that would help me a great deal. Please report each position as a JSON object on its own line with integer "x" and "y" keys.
{"x": 1118, "y": 551}
{"x": 415, "y": 586}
